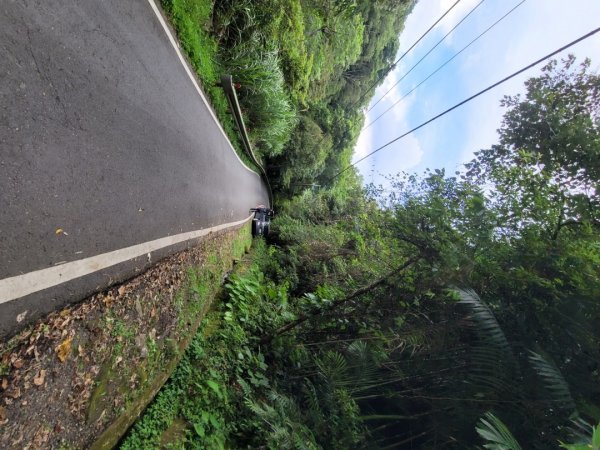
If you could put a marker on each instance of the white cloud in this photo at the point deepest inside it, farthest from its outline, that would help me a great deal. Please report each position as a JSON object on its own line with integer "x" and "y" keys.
{"x": 427, "y": 12}
{"x": 406, "y": 154}
{"x": 454, "y": 16}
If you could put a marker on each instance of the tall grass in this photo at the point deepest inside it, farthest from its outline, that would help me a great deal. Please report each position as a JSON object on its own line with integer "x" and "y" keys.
{"x": 227, "y": 38}
{"x": 266, "y": 104}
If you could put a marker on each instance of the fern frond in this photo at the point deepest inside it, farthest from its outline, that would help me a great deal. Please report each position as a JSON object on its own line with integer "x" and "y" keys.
{"x": 312, "y": 399}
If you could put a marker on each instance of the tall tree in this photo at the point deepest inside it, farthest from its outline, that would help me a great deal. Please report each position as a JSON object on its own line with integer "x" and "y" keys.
{"x": 546, "y": 167}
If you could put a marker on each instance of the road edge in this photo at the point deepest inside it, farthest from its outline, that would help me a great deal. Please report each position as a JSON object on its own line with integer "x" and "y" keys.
{"x": 174, "y": 43}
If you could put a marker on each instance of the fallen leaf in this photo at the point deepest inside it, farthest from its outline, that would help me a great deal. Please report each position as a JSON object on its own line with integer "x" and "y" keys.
{"x": 59, "y": 231}
{"x": 118, "y": 360}
{"x": 4, "y": 383}
{"x": 2, "y": 414}
{"x": 107, "y": 300}
{"x": 14, "y": 393}
{"x": 18, "y": 364}
{"x": 41, "y": 437}
{"x": 121, "y": 290}
{"x": 63, "y": 350}
{"x": 39, "y": 380}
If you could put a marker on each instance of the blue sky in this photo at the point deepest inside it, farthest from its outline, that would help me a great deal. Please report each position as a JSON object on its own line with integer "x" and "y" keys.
{"x": 534, "y": 29}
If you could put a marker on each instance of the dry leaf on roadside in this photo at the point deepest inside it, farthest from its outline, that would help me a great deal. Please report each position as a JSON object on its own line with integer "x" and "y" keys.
{"x": 4, "y": 384}
{"x": 107, "y": 300}
{"x": 2, "y": 414}
{"x": 63, "y": 350}
{"x": 59, "y": 231}
{"x": 39, "y": 380}
{"x": 121, "y": 290}
{"x": 14, "y": 393}
{"x": 18, "y": 364}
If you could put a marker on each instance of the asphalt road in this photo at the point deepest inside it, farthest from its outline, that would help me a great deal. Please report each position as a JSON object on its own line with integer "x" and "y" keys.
{"x": 102, "y": 135}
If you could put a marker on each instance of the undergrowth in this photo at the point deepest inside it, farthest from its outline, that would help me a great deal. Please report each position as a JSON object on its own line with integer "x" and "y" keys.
{"x": 221, "y": 369}
{"x": 229, "y": 391}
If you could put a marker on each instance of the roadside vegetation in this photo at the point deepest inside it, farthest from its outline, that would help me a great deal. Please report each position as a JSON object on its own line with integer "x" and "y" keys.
{"x": 300, "y": 67}
{"x": 441, "y": 312}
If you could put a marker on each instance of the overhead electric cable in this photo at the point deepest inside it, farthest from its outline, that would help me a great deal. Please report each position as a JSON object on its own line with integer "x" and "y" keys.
{"x": 498, "y": 83}
{"x": 426, "y": 54}
{"x": 404, "y": 54}
{"x": 443, "y": 65}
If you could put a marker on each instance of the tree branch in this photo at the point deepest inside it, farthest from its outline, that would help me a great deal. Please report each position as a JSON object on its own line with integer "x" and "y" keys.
{"x": 303, "y": 318}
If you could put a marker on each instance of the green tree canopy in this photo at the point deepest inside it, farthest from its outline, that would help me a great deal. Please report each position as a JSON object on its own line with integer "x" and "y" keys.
{"x": 546, "y": 168}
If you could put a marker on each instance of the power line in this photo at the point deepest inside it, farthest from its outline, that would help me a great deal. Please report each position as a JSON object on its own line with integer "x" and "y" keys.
{"x": 426, "y": 54}
{"x": 498, "y": 83}
{"x": 404, "y": 54}
{"x": 444, "y": 64}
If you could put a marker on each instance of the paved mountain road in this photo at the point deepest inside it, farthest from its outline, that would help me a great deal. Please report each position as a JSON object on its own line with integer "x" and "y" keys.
{"x": 103, "y": 135}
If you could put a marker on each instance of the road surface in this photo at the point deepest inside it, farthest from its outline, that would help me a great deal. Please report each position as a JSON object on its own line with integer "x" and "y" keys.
{"x": 105, "y": 144}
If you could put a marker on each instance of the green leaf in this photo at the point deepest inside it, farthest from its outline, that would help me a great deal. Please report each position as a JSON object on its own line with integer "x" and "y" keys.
{"x": 214, "y": 422}
{"x": 575, "y": 446}
{"x": 199, "y": 429}
{"x": 215, "y": 387}
{"x": 596, "y": 438}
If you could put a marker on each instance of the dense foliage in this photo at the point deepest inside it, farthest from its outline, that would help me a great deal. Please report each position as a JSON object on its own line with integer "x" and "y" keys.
{"x": 449, "y": 312}
{"x": 302, "y": 68}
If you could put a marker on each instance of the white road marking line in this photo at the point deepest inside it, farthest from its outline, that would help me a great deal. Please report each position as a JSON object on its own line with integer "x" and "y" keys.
{"x": 193, "y": 78}
{"x": 21, "y": 285}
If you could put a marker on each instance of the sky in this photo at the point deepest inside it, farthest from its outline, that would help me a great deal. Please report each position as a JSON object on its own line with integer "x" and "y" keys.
{"x": 532, "y": 30}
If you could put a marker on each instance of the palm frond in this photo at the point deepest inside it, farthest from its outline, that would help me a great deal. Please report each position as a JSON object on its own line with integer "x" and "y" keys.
{"x": 493, "y": 366}
{"x": 496, "y": 434}
{"x": 359, "y": 350}
{"x": 332, "y": 366}
{"x": 580, "y": 429}
{"x": 554, "y": 382}
{"x": 488, "y": 327}
{"x": 591, "y": 441}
